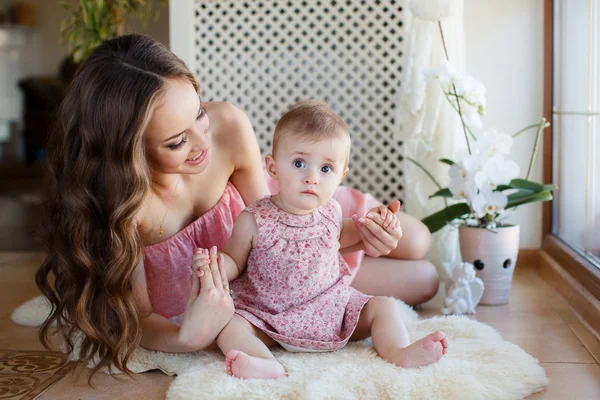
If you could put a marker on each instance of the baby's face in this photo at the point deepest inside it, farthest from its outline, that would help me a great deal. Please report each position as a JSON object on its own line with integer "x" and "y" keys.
{"x": 309, "y": 172}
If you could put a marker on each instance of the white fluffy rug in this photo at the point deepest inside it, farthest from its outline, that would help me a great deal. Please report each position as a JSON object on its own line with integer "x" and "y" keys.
{"x": 478, "y": 365}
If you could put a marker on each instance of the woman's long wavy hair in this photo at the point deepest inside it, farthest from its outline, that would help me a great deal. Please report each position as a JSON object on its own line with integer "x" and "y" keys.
{"x": 98, "y": 180}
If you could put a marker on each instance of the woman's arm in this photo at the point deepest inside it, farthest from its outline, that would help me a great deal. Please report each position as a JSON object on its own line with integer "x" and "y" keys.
{"x": 158, "y": 333}
{"x": 208, "y": 311}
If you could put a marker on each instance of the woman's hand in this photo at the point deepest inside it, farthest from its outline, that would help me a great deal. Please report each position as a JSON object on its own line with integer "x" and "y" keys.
{"x": 380, "y": 230}
{"x": 210, "y": 306}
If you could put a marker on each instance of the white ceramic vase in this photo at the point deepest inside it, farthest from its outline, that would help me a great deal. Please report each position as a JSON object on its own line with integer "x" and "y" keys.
{"x": 494, "y": 256}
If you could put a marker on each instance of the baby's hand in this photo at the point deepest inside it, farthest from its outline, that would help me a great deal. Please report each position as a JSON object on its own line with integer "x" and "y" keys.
{"x": 384, "y": 217}
{"x": 201, "y": 259}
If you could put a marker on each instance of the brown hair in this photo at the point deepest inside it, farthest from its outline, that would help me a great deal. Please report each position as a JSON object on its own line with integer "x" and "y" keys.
{"x": 310, "y": 120}
{"x": 98, "y": 180}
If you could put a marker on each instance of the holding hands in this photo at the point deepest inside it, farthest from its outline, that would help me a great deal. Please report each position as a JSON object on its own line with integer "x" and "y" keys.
{"x": 380, "y": 229}
{"x": 210, "y": 305}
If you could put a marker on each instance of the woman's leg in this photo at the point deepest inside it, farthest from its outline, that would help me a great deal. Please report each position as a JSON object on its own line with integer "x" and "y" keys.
{"x": 403, "y": 273}
{"x": 416, "y": 239}
{"x": 246, "y": 352}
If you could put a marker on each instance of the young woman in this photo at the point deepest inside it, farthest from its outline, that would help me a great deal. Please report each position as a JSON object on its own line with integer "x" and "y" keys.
{"x": 142, "y": 173}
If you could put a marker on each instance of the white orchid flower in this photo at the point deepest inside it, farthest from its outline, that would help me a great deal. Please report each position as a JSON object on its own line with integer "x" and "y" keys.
{"x": 463, "y": 189}
{"x": 492, "y": 143}
{"x": 469, "y": 91}
{"x": 472, "y": 222}
{"x": 482, "y": 181}
{"x": 457, "y": 171}
{"x": 496, "y": 171}
{"x": 470, "y": 115}
{"x": 501, "y": 171}
{"x": 473, "y": 163}
{"x": 488, "y": 202}
{"x": 470, "y": 112}
{"x": 462, "y": 185}
{"x": 472, "y": 92}
{"x": 444, "y": 74}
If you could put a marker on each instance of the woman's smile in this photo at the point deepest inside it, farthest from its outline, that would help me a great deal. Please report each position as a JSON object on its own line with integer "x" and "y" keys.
{"x": 197, "y": 159}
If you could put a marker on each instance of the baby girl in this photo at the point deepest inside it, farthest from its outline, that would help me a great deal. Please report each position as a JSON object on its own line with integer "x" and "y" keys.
{"x": 294, "y": 286}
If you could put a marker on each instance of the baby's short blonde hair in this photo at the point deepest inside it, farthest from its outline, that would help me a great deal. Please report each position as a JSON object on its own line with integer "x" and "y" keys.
{"x": 310, "y": 120}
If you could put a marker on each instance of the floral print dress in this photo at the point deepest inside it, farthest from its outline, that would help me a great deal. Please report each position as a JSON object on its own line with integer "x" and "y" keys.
{"x": 296, "y": 287}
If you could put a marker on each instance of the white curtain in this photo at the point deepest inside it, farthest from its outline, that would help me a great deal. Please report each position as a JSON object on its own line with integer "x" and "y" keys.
{"x": 429, "y": 127}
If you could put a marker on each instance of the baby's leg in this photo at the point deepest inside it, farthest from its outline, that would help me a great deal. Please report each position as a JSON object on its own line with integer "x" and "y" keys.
{"x": 381, "y": 318}
{"x": 247, "y": 356}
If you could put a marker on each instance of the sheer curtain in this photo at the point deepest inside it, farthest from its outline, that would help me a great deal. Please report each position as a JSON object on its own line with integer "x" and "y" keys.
{"x": 429, "y": 127}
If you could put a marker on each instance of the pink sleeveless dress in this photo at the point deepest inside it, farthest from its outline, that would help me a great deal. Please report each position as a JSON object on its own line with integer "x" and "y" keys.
{"x": 166, "y": 263}
{"x": 296, "y": 286}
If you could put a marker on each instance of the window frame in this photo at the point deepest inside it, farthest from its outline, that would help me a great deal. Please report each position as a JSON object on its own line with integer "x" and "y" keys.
{"x": 576, "y": 265}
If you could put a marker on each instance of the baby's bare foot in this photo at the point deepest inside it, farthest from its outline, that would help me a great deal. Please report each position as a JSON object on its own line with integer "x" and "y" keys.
{"x": 426, "y": 351}
{"x": 242, "y": 365}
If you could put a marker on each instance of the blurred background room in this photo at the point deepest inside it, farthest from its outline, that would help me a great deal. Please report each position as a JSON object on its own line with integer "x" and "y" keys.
{"x": 35, "y": 69}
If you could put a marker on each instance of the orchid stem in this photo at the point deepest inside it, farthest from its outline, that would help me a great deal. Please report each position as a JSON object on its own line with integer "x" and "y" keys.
{"x": 429, "y": 175}
{"x": 424, "y": 170}
{"x": 456, "y": 109}
{"x": 541, "y": 126}
{"x": 454, "y": 90}
{"x": 544, "y": 125}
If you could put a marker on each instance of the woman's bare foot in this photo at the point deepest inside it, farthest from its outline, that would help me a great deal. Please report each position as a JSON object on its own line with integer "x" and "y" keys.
{"x": 425, "y": 351}
{"x": 242, "y": 365}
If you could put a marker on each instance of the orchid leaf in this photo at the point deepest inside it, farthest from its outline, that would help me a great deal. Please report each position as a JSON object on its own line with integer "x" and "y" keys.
{"x": 530, "y": 198}
{"x": 442, "y": 193}
{"x": 525, "y": 184}
{"x": 500, "y": 188}
{"x": 437, "y": 221}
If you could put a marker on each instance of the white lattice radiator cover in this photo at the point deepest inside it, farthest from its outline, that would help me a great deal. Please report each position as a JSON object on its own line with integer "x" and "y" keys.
{"x": 264, "y": 56}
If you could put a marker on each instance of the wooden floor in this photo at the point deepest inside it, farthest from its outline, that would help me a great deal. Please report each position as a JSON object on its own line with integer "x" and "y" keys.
{"x": 537, "y": 319}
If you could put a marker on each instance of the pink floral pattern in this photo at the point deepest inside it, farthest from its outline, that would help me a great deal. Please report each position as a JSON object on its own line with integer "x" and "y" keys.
{"x": 296, "y": 287}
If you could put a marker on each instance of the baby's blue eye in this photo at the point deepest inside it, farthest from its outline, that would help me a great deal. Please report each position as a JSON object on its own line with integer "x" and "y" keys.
{"x": 326, "y": 169}
{"x": 298, "y": 163}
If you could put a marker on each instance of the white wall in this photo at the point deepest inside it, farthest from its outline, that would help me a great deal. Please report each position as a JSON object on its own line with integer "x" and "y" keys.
{"x": 504, "y": 50}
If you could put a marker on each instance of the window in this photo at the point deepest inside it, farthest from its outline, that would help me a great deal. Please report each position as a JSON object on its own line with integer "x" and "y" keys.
{"x": 576, "y": 127}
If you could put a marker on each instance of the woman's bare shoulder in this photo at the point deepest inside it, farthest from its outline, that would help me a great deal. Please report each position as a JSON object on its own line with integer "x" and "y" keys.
{"x": 233, "y": 134}
{"x": 230, "y": 126}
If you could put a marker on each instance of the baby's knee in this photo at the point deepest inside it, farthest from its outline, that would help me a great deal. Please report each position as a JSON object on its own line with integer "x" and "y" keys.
{"x": 380, "y": 306}
{"x": 420, "y": 243}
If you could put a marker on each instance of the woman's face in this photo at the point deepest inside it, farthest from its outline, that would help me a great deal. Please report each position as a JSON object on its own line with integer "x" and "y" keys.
{"x": 177, "y": 138}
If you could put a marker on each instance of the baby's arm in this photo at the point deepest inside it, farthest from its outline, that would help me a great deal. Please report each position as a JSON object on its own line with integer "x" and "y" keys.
{"x": 235, "y": 252}
{"x": 349, "y": 235}
{"x": 242, "y": 240}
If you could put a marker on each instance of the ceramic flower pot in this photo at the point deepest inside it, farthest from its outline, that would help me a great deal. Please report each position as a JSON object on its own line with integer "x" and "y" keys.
{"x": 494, "y": 256}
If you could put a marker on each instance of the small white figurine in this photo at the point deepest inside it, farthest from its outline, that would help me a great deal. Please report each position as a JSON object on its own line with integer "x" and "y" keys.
{"x": 464, "y": 292}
